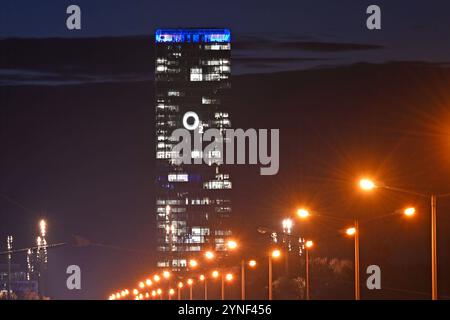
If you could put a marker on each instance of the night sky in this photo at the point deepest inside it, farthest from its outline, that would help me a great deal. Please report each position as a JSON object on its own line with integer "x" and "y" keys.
{"x": 77, "y": 129}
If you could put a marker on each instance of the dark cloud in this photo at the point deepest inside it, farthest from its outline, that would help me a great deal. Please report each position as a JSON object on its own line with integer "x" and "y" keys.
{"x": 328, "y": 46}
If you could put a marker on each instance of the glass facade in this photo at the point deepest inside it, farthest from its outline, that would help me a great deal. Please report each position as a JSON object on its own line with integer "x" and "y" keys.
{"x": 193, "y": 202}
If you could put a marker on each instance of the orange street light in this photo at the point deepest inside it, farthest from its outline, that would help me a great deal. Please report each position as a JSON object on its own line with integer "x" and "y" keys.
{"x": 229, "y": 277}
{"x": 193, "y": 263}
{"x": 252, "y": 263}
{"x": 276, "y": 253}
{"x": 367, "y": 184}
{"x": 409, "y": 211}
{"x": 231, "y": 244}
{"x": 166, "y": 274}
{"x": 308, "y": 244}
{"x": 350, "y": 231}
{"x": 209, "y": 255}
{"x": 303, "y": 213}
{"x": 141, "y": 285}
{"x": 156, "y": 278}
{"x": 215, "y": 274}
{"x": 148, "y": 282}
{"x": 203, "y": 278}
{"x": 180, "y": 286}
{"x": 190, "y": 282}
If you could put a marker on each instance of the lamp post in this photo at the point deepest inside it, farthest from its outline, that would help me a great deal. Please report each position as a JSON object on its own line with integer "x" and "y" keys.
{"x": 205, "y": 286}
{"x": 368, "y": 185}
{"x": 308, "y": 245}
{"x": 190, "y": 282}
{"x": 179, "y": 287}
{"x": 275, "y": 254}
{"x": 251, "y": 264}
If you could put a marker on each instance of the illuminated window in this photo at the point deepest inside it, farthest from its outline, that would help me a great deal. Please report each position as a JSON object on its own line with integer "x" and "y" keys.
{"x": 196, "y": 74}
{"x": 177, "y": 177}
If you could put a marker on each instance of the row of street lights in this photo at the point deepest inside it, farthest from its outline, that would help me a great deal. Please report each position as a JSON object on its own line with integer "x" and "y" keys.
{"x": 145, "y": 291}
{"x": 302, "y": 213}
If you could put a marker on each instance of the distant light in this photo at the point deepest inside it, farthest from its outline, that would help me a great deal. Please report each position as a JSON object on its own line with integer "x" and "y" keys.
{"x": 171, "y": 292}
{"x": 209, "y": 255}
{"x": 159, "y": 291}
{"x": 366, "y": 184}
{"x": 166, "y": 274}
{"x": 229, "y": 277}
{"x": 350, "y": 231}
{"x": 117, "y": 295}
{"x": 141, "y": 285}
{"x": 156, "y": 278}
{"x": 43, "y": 227}
{"x": 287, "y": 225}
{"x": 215, "y": 274}
{"x": 153, "y": 293}
{"x": 409, "y": 211}
{"x": 309, "y": 244}
{"x": 231, "y": 244}
{"x": 190, "y": 282}
{"x": 276, "y": 253}
{"x": 148, "y": 282}
{"x": 135, "y": 292}
{"x": 252, "y": 263}
{"x": 180, "y": 285}
{"x": 202, "y": 277}
{"x": 193, "y": 263}
{"x": 302, "y": 213}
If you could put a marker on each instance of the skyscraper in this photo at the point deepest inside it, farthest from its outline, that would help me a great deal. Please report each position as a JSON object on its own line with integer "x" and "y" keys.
{"x": 193, "y": 204}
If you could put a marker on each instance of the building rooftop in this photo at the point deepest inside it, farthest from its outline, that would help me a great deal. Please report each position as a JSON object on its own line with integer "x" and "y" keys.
{"x": 193, "y": 35}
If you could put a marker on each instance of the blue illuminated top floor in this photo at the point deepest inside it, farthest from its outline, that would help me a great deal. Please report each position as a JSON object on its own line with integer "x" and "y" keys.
{"x": 193, "y": 35}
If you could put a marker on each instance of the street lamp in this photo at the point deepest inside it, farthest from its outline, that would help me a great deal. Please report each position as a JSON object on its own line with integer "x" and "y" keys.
{"x": 203, "y": 278}
{"x": 171, "y": 293}
{"x": 350, "y": 231}
{"x": 148, "y": 282}
{"x": 166, "y": 274}
{"x": 209, "y": 255}
{"x": 308, "y": 245}
{"x": 231, "y": 244}
{"x": 193, "y": 263}
{"x": 409, "y": 212}
{"x": 156, "y": 278}
{"x": 367, "y": 185}
{"x": 179, "y": 287}
{"x": 302, "y": 213}
{"x": 159, "y": 292}
{"x": 190, "y": 282}
{"x": 354, "y": 232}
{"x": 251, "y": 264}
{"x": 275, "y": 254}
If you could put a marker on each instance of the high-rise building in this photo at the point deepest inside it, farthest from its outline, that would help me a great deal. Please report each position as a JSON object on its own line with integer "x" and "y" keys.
{"x": 193, "y": 204}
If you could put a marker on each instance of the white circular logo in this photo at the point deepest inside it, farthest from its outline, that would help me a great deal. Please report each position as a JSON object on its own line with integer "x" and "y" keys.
{"x": 191, "y": 114}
